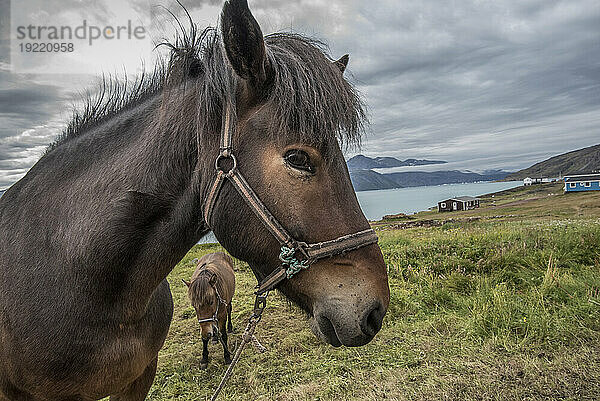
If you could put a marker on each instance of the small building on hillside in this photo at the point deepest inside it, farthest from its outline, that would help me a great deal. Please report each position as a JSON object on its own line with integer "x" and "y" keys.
{"x": 531, "y": 181}
{"x": 459, "y": 203}
{"x": 582, "y": 182}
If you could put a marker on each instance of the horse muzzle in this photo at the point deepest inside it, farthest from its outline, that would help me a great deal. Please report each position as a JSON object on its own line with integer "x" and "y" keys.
{"x": 338, "y": 324}
{"x": 356, "y": 297}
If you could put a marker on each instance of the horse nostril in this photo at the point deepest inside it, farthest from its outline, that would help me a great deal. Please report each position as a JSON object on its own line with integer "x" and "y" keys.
{"x": 372, "y": 320}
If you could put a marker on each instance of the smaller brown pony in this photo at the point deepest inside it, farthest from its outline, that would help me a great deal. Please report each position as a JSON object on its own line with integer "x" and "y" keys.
{"x": 210, "y": 291}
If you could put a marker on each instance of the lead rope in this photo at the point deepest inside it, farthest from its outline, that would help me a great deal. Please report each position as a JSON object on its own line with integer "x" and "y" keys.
{"x": 257, "y": 345}
{"x": 259, "y": 306}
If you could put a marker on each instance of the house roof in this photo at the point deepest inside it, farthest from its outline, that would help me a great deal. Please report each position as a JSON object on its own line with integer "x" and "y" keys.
{"x": 461, "y": 199}
{"x": 590, "y": 177}
{"x": 465, "y": 198}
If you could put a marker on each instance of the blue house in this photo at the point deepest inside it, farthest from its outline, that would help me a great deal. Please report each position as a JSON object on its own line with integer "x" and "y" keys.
{"x": 579, "y": 183}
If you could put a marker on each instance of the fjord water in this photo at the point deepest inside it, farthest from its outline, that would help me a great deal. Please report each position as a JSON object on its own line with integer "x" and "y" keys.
{"x": 376, "y": 204}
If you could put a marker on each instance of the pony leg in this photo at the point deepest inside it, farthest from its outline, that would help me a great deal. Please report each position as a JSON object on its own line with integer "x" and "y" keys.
{"x": 226, "y": 353}
{"x": 138, "y": 389}
{"x": 204, "y": 361}
{"x": 229, "y": 325}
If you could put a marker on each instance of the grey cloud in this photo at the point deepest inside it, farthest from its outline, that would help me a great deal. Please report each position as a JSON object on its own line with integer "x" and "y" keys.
{"x": 4, "y": 31}
{"x": 20, "y": 151}
{"x": 33, "y": 110}
{"x": 44, "y": 11}
{"x": 147, "y": 6}
{"x": 513, "y": 67}
{"x": 25, "y": 103}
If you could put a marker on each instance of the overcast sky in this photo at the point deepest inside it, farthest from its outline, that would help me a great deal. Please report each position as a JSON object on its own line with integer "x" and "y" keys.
{"x": 482, "y": 84}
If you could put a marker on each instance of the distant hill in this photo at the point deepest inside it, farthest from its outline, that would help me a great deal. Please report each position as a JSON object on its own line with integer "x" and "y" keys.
{"x": 2, "y": 192}
{"x": 360, "y": 162}
{"x": 369, "y": 180}
{"x": 582, "y": 160}
{"x": 366, "y": 180}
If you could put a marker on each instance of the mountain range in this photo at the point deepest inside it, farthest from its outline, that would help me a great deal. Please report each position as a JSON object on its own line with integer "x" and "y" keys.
{"x": 360, "y": 162}
{"x": 583, "y": 160}
{"x": 367, "y": 180}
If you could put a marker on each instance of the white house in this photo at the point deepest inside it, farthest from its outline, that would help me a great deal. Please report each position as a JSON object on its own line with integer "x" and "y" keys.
{"x": 531, "y": 181}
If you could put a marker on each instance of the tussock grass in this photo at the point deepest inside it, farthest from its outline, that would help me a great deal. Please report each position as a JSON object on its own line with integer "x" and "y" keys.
{"x": 486, "y": 310}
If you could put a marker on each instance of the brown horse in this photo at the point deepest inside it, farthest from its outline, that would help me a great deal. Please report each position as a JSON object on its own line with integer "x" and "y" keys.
{"x": 89, "y": 235}
{"x": 210, "y": 291}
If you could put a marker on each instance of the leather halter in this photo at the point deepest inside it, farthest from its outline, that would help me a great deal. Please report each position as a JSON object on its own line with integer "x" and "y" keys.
{"x": 295, "y": 255}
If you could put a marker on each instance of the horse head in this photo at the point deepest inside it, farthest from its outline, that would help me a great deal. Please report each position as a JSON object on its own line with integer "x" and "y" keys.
{"x": 294, "y": 112}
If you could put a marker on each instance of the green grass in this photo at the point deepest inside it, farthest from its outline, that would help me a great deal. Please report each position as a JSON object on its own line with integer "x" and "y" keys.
{"x": 498, "y": 309}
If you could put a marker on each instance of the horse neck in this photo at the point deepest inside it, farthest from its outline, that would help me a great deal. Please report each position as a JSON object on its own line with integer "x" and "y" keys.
{"x": 183, "y": 175}
{"x": 159, "y": 175}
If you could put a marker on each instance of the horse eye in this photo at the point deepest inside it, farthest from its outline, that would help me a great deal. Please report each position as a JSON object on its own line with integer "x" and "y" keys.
{"x": 299, "y": 160}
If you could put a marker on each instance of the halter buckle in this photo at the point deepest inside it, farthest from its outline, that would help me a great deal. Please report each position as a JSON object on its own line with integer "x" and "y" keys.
{"x": 260, "y": 303}
{"x": 221, "y": 162}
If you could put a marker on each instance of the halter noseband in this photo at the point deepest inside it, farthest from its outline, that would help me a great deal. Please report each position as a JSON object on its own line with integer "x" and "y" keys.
{"x": 294, "y": 255}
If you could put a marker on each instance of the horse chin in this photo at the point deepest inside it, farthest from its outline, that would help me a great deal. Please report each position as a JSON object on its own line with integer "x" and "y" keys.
{"x": 324, "y": 331}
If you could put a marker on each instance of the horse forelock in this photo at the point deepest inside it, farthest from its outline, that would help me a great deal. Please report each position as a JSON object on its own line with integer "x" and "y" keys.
{"x": 201, "y": 291}
{"x": 311, "y": 98}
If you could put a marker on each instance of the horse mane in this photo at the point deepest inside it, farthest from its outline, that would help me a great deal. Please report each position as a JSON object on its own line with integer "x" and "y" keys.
{"x": 115, "y": 95}
{"x": 311, "y": 99}
{"x": 200, "y": 288}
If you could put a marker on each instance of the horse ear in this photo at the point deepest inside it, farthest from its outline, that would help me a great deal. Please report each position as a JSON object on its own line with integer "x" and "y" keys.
{"x": 342, "y": 63}
{"x": 186, "y": 283}
{"x": 244, "y": 43}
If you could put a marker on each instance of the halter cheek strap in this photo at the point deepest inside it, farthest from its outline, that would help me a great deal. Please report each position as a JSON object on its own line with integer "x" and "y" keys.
{"x": 294, "y": 255}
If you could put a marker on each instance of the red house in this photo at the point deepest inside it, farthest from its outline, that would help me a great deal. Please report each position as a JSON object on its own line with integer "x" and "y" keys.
{"x": 459, "y": 203}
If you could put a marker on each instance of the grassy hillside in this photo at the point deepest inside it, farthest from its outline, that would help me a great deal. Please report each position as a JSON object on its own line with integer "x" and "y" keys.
{"x": 582, "y": 160}
{"x": 482, "y": 307}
